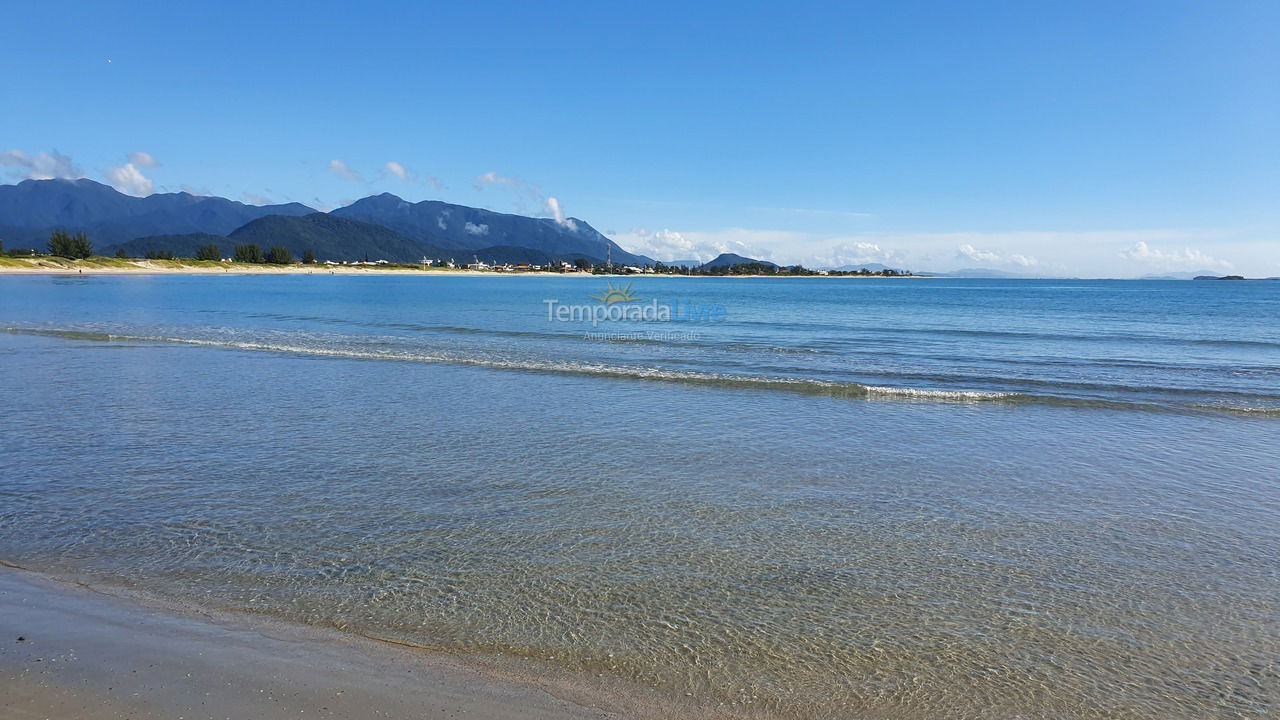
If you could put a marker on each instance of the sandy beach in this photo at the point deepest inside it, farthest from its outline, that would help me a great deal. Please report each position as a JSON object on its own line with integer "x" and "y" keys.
{"x": 45, "y": 265}
{"x": 115, "y": 266}
{"x": 75, "y": 653}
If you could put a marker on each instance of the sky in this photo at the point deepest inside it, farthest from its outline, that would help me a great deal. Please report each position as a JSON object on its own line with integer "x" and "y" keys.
{"x": 1099, "y": 139}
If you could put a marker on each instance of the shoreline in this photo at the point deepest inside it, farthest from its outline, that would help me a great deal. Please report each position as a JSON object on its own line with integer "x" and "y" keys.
{"x": 89, "y": 652}
{"x": 113, "y": 266}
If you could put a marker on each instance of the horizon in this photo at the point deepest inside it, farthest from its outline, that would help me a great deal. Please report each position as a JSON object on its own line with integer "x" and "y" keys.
{"x": 1090, "y": 141}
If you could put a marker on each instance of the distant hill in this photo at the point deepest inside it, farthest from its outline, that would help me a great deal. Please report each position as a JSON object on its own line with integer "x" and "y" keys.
{"x": 683, "y": 263}
{"x": 514, "y": 255}
{"x": 727, "y": 259}
{"x": 179, "y": 245}
{"x": 335, "y": 238}
{"x": 32, "y": 209}
{"x": 433, "y": 221}
{"x": 1178, "y": 275}
{"x": 330, "y": 238}
{"x": 380, "y": 227}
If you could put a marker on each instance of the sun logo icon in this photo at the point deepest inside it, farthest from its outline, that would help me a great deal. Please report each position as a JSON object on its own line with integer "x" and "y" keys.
{"x": 613, "y": 294}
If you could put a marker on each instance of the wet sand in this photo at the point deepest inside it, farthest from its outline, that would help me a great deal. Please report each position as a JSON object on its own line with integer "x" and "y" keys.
{"x": 73, "y": 653}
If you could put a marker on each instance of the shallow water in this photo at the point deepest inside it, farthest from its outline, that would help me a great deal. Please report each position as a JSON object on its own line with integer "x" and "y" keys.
{"x": 869, "y": 498}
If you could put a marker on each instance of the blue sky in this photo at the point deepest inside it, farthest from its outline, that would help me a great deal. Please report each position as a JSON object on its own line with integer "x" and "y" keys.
{"x": 1107, "y": 138}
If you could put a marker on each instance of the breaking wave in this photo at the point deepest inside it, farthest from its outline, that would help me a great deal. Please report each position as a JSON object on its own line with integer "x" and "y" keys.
{"x": 794, "y": 384}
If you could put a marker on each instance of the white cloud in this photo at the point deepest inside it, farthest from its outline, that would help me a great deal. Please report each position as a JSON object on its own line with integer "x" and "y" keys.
{"x": 529, "y": 199}
{"x": 856, "y": 252}
{"x": 671, "y": 245}
{"x": 143, "y": 159}
{"x": 41, "y": 166}
{"x": 995, "y": 257}
{"x": 472, "y": 228}
{"x": 128, "y": 179}
{"x": 1186, "y": 258}
{"x": 493, "y": 178}
{"x": 402, "y": 173}
{"x": 339, "y": 168}
{"x": 553, "y": 207}
{"x": 660, "y": 244}
{"x": 440, "y": 223}
{"x": 1085, "y": 253}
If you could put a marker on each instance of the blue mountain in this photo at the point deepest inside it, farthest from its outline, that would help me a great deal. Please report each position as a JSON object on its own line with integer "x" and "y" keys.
{"x": 32, "y": 209}
{"x": 378, "y": 227}
{"x": 468, "y": 228}
{"x": 729, "y": 259}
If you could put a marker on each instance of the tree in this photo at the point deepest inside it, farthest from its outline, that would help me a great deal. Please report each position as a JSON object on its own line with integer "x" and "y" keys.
{"x": 279, "y": 255}
{"x": 122, "y": 254}
{"x": 209, "y": 252}
{"x": 250, "y": 253}
{"x": 309, "y": 257}
{"x": 582, "y": 264}
{"x": 160, "y": 255}
{"x": 1, "y": 247}
{"x": 64, "y": 245}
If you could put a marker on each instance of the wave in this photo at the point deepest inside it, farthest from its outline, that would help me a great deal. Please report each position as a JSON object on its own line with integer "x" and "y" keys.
{"x": 801, "y": 385}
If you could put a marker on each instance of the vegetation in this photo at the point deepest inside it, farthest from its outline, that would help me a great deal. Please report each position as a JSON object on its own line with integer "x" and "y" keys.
{"x": 334, "y": 238}
{"x": 71, "y": 247}
{"x": 209, "y": 252}
{"x": 161, "y": 255}
{"x": 309, "y": 257}
{"x": 122, "y": 254}
{"x": 249, "y": 253}
{"x": 279, "y": 255}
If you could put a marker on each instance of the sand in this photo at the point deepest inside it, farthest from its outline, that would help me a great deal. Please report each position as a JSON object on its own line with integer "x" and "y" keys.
{"x": 112, "y": 266}
{"x": 85, "y": 654}
{"x": 45, "y": 266}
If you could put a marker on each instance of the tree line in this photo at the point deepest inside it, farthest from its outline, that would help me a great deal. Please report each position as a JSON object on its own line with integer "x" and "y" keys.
{"x": 77, "y": 247}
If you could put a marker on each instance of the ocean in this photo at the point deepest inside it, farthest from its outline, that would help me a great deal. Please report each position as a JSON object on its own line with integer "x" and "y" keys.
{"x": 807, "y": 497}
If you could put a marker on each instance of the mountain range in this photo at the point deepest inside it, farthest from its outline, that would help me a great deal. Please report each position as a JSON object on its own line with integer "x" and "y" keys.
{"x": 380, "y": 227}
{"x": 1179, "y": 275}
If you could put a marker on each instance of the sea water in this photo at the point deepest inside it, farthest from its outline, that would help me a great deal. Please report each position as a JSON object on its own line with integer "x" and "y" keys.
{"x": 911, "y": 498}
